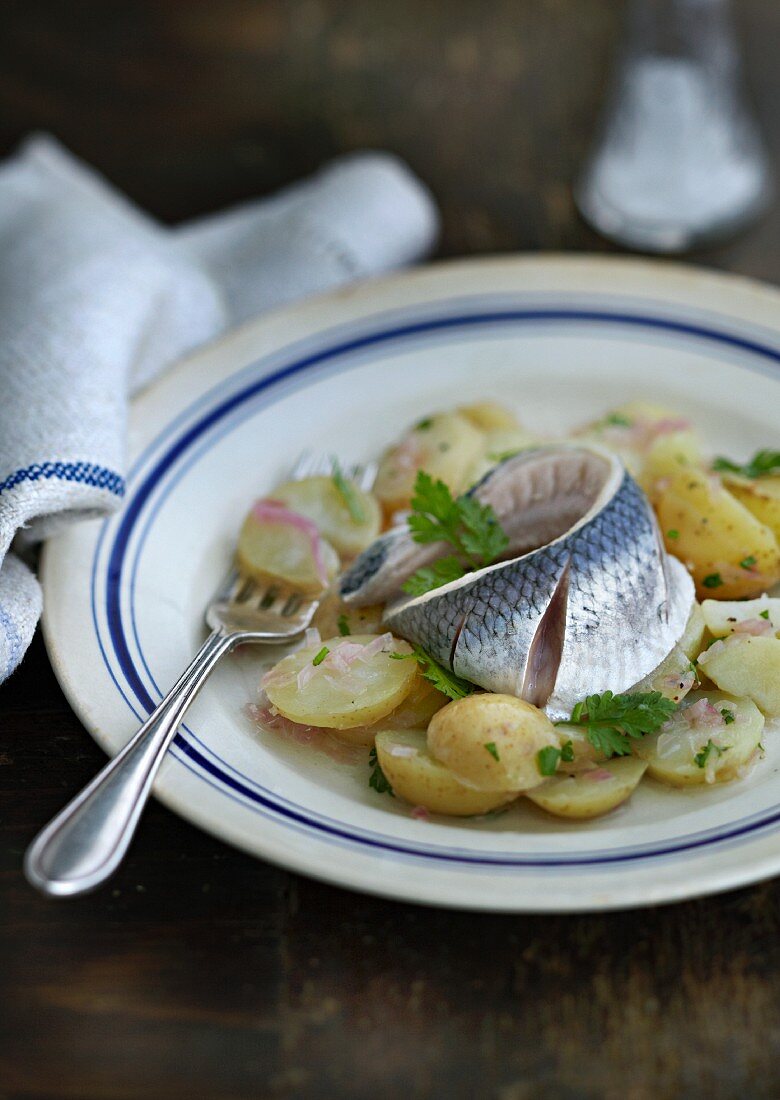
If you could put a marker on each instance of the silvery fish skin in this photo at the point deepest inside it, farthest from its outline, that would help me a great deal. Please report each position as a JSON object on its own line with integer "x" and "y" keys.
{"x": 588, "y": 600}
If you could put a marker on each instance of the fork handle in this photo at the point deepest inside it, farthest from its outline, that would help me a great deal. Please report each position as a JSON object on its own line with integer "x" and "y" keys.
{"x": 87, "y": 840}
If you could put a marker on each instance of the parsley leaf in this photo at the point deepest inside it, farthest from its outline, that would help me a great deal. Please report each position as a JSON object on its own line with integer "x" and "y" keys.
{"x": 748, "y": 562}
{"x": 610, "y": 721}
{"x": 547, "y": 760}
{"x": 343, "y": 625}
{"x": 377, "y": 779}
{"x": 471, "y": 529}
{"x": 445, "y": 681}
{"x": 320, "y": 657}
{"x": 672, "y": 533}
{"x": 348, "y": 493}
{"x": 433, "y": 576}
{"x": 762, "y": 464}
{"x": 618, "y": 420}
{"x": 491, "y": 748}
{"x": 728, "y": 716}
{"x": 764, "y": 614}
{"x": 712, "y": 580}
{"x": 700, "y": 759}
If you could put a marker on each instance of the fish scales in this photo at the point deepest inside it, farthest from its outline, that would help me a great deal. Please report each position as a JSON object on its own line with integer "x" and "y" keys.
{"x": 623, "y": 601}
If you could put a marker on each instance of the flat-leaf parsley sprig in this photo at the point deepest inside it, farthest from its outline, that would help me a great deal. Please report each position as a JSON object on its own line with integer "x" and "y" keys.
{"x": 377, "y": 779}
{"x": 612, "y": 721}
{"x": 442, "y": 679}
{"x": 472, "y": 530}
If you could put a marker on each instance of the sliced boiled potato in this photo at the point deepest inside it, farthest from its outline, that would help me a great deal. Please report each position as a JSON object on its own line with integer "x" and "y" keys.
{"x": 715, "y": 536}
{"x": 724, "y": 616}
{"x": 445, "y": 445}
{"x": 328, "y": 694}
{"x": 492, "y": 742}
{"x": 416, "y": 777}
{"x": 692, "y": 641}
{"x": 668, "y": 454}
{"x": 760, "y": 495}
{"x": 334, "y": 617}
{"x": 415, "y": 711}
{"x": 348, "y": 517}
{"x": 743, "y": 665}
{"x": 276, "y": 543}
{"x": 590, "y": 793}
{"x": 585, "y": 756}
{"x": 489, "y": 415}
{"x": 706, "y": 748}
{"x": 673, "y": 678}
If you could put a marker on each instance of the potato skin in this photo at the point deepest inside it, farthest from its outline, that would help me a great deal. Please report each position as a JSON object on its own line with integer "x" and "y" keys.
{"x": 459, "y": 733}
{"x": 580, "y": 797}
{"x": 423, "y": 781}
{"x": 445, "y": 445}
{"x": 761, "y": 496}
{"x": 712, "y": 533}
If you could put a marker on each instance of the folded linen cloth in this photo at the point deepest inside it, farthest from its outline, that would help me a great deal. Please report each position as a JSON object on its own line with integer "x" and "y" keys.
{"x": 96, "y": 298}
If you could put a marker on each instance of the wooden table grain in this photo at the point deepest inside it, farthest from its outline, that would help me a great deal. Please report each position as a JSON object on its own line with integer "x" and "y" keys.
{"x": 200, "y": 972}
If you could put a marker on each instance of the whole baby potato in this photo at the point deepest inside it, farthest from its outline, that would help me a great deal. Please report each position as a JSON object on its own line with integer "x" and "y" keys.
{"x": 422, "y": 781}
{"x": 491, "y": 742}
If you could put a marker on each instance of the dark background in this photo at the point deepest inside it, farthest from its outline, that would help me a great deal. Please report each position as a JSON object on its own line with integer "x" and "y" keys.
{"x": 202, "y": 973}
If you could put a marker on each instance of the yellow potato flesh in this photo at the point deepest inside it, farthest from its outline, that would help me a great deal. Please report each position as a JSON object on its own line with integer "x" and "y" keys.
{"x": 369, "y": 690}
{"x": 761, "y": 496}
{"x": 281, "y": 551}
{"x": 462, "y": 733}
{"x": 591, "y": 793}
{"x": 671, "y": 753}
{"x": 333, "y": 614}
{"x": 319, "y": 499}
{"x": 742, "y": 665}
{"x": 415, "y": 710}
{"x": 724, "y": 616}
{"x": 445, "y": 445}
{"x": 669, "y": 454}
{"x": 489, "y": 415}
{"x": 420, "y": 780}
{"x": 713, "y": 534}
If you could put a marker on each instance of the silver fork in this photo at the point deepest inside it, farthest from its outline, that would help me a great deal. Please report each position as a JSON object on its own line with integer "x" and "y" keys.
{"x": 87, "y": 840}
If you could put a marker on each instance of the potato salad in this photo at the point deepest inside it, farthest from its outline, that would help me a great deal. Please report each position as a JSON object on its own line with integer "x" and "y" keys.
{"x": 461, "y": 643}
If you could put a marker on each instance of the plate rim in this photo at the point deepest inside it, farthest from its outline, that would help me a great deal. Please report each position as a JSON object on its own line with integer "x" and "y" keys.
{"x": 699, "y": 280}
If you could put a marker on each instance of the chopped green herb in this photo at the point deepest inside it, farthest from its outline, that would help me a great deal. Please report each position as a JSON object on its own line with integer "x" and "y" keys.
{"x": 377, "y": 779}
{"x": 611, "y": 720}
{"x": 347, "y": 490}
{"x": 343, "y": 625}
{"x": 672, "y": 534}
{"x": 728, "y": 716}
{"x": 320, "y": 657}
{"x": 701, "y": 758}
{"x": 471, "y": 529}
{"x": 765, "y": 614}
{"x": 491, "y": 748}
{"x": 547, "y": 760}
{"x": 567, "y": 752}
{"x": 712, "y": 580}
{"x": 762, "y": 464}
{"x": 618, "y": 420}
{"x": 442, "y": 679}
{"x": 423, "y": 425}
{"x": 748, "y": 563}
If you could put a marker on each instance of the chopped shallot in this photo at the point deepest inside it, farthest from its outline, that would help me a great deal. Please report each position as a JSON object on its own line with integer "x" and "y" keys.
{"x": 757, "y": 628}
{"x": 403, "y": 751}
{"x": 419, "y": 813}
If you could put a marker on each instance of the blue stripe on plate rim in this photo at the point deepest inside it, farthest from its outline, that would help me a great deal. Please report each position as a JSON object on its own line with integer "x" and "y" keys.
{"x": 235, "y": 398}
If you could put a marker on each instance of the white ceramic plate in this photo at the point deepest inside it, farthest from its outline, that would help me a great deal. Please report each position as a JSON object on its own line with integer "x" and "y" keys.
{"x": 560, "y": 338}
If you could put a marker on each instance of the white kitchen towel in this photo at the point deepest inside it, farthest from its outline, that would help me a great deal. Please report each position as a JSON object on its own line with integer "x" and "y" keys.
{"x": 96, "y": 298}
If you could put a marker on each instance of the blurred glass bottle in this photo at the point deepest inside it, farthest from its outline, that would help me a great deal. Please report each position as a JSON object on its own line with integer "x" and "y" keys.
{"x": 679, "y": 160}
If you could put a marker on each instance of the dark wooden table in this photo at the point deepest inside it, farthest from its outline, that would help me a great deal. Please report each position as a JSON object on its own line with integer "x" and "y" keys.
{"x": 200, "y": 972}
